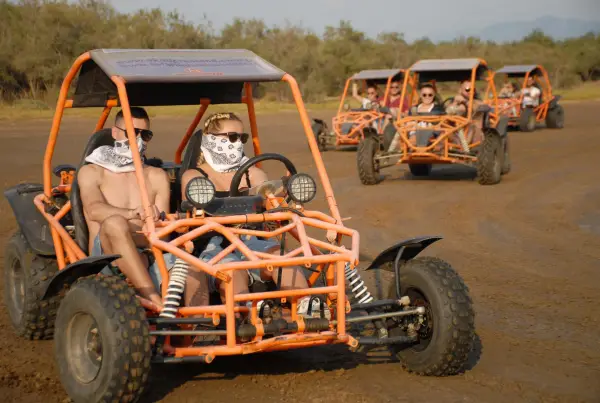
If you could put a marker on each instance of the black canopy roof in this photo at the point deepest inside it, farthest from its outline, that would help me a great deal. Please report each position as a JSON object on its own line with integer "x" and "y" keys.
{"x": 171, "y": 76}
{"x": 442, "y": 70}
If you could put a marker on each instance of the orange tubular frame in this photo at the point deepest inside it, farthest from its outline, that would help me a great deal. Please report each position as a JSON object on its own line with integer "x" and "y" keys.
{"x": 359, "y": 119}
{"x": 511, "y": 107}
{"x": 329, "y": 258}
{"x": 443, "y": 150}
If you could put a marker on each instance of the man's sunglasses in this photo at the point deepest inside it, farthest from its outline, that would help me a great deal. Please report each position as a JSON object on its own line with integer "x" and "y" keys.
{"x": 145, "y": 134}
{"x": 234, "y": 137}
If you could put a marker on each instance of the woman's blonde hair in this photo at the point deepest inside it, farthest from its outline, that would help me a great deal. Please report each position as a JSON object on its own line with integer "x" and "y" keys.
{"x": 212, "y": 124}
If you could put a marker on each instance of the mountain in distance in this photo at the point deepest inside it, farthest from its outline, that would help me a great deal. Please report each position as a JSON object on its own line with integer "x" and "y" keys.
{"x": 507, "y": 31}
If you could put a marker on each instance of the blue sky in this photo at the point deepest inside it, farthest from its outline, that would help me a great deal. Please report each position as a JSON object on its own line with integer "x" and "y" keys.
{"x": 415, "y": 18}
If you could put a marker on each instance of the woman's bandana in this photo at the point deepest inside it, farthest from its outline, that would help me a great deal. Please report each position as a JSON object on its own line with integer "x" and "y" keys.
{"x": 117, "y": 158}
{"x": 221, "y": 154}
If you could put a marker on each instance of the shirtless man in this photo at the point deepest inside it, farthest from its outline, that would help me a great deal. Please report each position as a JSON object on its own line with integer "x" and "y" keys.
{"x": 112, "y": 203}
{"x": 460, "y": 106}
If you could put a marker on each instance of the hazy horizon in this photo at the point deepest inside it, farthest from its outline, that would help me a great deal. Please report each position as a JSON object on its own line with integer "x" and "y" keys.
{"x": 440, "y": 19}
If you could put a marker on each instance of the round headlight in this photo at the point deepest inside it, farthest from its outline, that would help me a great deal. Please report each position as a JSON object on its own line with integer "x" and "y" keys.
{"x": 200, "y": 192}
{"x": 301, "y": 188}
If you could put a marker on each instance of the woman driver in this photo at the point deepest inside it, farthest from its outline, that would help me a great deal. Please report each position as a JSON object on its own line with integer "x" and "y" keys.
{"x": 222, "y": 153}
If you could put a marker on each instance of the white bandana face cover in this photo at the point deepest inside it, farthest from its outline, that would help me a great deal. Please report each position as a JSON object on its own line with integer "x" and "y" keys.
{"x": 117, "y": 158}
{"x": 221, "y": 154}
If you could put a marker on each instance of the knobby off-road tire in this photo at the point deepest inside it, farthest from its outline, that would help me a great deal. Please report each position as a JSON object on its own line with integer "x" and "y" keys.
{"x": 320, "y": 133}
{"x": 444, "y": 347}
{"x": 388, "y": 136}
{"x": 490, "y": 159}
{"x": 527, "y": 120}
{"x": 506, "y": 161}
{"x": 102, "y": 343}
{"x": 26, "y": 276}
{"x": 555, "y": 119}
{"x": 420, "y": 169}
{"x": 368, "y": 168}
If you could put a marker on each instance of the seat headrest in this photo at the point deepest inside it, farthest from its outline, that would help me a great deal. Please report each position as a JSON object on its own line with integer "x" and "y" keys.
{"x": 100, "y": 138}
{"x": 192, "y": 151}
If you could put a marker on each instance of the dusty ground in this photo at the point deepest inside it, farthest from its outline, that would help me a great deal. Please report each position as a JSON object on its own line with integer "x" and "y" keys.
{"x": 528, "y": 249}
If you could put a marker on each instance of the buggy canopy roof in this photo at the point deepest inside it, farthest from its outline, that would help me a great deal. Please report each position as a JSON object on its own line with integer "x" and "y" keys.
{"x": 378, "y": 76}
{"x": 448, "y": 69}
{"x": 171, "y": 76}
{"x": 519, "y": 70}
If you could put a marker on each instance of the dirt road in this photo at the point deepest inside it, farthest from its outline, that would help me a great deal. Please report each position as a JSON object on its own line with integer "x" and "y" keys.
{"x": 528, "y": 248}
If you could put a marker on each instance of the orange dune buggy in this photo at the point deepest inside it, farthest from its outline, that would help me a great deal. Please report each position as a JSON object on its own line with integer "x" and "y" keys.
{"x": 437, "y": 137}
{"x": 106, "y": 336}
{"x": 349, "y": 125}
{"x": 523, "y": 114}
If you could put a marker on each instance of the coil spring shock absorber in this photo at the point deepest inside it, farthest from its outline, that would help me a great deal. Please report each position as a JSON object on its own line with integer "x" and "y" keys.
{"x": 357, "y": 286}
{"x": 463, "y": 141}
{"x": 177, "y": 280}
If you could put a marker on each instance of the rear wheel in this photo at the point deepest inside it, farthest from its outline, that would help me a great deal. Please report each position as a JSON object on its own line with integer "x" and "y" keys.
{"x": 368, "y": 167}
{"x": 320, "y": 131}
{"x": 555, "y": 119}
{"x": 420, "y": 169}
{"x": 102, "y": 341}
{"x": 489, "y": 159}
{"x": 26, "y": 276}
{"x": 527, "y": 120}
{"x": 448, "y": 330}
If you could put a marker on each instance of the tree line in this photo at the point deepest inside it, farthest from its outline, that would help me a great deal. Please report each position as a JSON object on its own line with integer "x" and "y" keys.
{"x": 39, "y": 40}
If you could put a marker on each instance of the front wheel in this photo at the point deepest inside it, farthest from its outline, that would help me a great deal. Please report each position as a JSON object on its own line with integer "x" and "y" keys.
{"x": 389, "y": 132}
{"x": 489, "y": 159}
{"x": 102, "y": 341}
{"x": 506, "y": 161}
{"x": 368, "y": 166}
{"x": 527, "y": 120}
{"x": 446, "y": 336}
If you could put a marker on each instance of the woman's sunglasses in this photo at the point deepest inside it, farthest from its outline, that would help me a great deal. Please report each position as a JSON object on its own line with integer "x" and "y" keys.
{"x": 427, "y": 95}
{"x": 233, "y": 136}
{"x": 145, "y": 134}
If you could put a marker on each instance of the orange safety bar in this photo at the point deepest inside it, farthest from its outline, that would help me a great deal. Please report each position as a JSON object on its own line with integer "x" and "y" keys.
{"x": 308, "y": 254}
{"x": 360, "y": 120}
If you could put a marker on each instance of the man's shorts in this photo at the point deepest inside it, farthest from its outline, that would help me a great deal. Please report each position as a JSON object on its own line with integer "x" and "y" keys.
{"x": 253, "y": 243}
{"x": 153, "y": 269}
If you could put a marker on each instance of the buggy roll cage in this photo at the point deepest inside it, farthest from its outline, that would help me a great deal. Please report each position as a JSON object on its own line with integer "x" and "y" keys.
{"x": 109, "y": 78}
{"x": 434, "y": 71}
{"x": 540, "y": 75}
{"x": 363, "y": 118}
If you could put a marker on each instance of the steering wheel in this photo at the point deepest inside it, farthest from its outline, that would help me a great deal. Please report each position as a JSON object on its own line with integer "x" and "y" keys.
{"x": 242, "y": 170}
{"x": 447, "y": 101}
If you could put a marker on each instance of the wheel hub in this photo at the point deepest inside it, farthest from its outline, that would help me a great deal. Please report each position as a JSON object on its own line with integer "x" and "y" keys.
{"x": 85, "y": 352}
{"x": 16, "y": 289}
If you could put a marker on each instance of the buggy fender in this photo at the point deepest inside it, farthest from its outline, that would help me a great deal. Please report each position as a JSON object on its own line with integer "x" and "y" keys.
{"x": 502, "y": 126}
{"x": 34, "y": 227}
{"x": 408, "y": 249}
{"x": 81, "y": 268}
{"x": 554, "y": 101}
